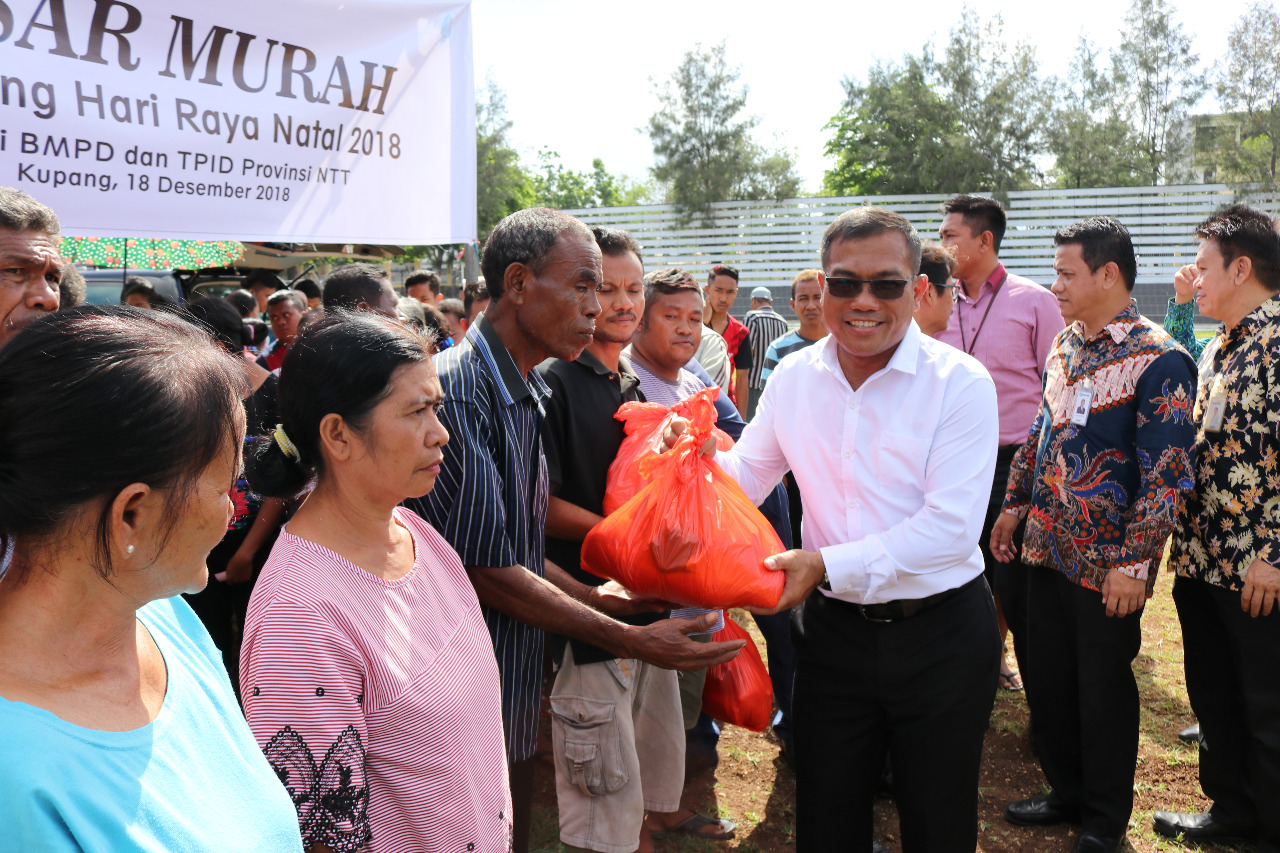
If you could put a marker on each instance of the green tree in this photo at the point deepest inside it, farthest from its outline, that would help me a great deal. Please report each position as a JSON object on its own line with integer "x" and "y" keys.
{"x": 1157, "y": 78}
{"x": 702, "y": 142}
{"x": 558, "y": 187}
{"x": 1248, "y": 86}
{"x": 897, "y": 134}
{"x": 502, "y": 184}
{"x": 1092, "y": 144}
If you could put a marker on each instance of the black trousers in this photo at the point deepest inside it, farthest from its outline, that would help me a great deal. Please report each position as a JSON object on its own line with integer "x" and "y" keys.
{"x": 1084, "y": 697}
{"x": 1007, "y": 579}
{"x": 919, "y": 690}
{"x": 1233, "y": 680}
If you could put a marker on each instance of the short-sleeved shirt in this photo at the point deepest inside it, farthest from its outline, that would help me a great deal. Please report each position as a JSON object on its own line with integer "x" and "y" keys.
{"x": 581, "y": 437}
{"x": 192, "y": 779}
{"x": 377, "y": 701}
{"x": 764, "y": 325}
{"x": 780, "y": 349}
{"x": 490, "y": 500}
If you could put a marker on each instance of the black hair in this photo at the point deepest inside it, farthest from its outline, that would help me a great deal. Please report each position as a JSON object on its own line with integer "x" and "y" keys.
{"x": 980, "y": 214}
{"x": 218, "y": 318}
{"x": 476, "y": 291}
{"x": 1102, "y": 240}
{"x": 665, "y": 282}
{"x": 291, "y": 296}
{"x": 426, "y": 277}
{"x": 1243, "y": 230}
{"x": 142, "y": 287}
{"x": 937, "y": 264}
{"x": 722, "y": 269}
{"x": 308, "y": 288}
{"x": 71, "y": 287}
{"x": 804, "y": 275}
{"x": 615, "y": 242}
{"x": 100, "y": 397}
{"x": 456, "y": 307}
{"x": 349, "y": 285}
{"x": 340, "y": 364}
{"x": 525, "y": 237}
{"x": 870, "y": 221}
{"x": 243, "y": 301}
{"x": 256, "y": 332}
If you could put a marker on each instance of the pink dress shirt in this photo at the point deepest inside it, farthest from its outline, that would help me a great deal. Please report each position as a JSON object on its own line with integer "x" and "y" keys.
{"x": 1013, "y": 344}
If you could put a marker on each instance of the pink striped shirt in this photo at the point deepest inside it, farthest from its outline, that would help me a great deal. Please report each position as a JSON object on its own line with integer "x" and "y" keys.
{"x": 1012, "y": 344}
{"x": 377, "y": 702}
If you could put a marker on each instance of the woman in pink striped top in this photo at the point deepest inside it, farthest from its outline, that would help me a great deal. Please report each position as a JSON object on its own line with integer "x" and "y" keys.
{"x": 367, "y": 672}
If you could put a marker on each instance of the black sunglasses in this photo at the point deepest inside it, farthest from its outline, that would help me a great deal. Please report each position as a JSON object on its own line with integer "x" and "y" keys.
{"x": 886, "y": 289}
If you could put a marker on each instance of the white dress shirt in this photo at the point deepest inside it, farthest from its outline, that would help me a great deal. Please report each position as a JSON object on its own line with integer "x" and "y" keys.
{"x": 894, "y": 477}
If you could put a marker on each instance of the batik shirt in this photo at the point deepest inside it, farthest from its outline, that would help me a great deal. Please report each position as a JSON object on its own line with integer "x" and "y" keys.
{"x": 1232, "y": 517}
{"x": 1103, "y": 495}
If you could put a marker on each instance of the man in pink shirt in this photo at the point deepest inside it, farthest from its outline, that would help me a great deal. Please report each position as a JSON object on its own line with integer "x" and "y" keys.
{"x": 1008, "y": 323}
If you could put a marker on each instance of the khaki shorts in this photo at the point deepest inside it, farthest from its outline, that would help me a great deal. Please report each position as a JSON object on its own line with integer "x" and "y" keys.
{"x": 619, "y": 750}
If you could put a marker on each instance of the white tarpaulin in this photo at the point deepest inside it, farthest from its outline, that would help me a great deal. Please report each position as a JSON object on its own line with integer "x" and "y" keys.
{"x": 336, "y": 121}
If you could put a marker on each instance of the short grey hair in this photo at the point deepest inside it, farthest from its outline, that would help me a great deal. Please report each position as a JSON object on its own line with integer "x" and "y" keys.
{"x": 21, "y": 212}
{"x": 870, "y": 221}
{"x": 525, "y": 237}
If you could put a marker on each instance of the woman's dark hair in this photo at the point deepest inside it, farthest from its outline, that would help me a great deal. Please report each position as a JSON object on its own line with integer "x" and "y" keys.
{"x": 221, "y": 320}
{"x": 141, "y": 287}
{"x": 245, "y": 303}
{"x": 341, "y": 364}
{"x": 97, "y": 398}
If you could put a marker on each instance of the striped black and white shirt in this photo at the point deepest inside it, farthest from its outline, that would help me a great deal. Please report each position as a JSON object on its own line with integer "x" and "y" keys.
{"x": 764, "y": 325}
{"x": 490, "y": 500}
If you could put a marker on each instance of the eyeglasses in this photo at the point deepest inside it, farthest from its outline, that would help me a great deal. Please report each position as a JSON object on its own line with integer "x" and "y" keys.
{"x": 886, "y": 289}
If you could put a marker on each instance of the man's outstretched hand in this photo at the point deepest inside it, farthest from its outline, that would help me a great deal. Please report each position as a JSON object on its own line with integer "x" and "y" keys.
{"x": 675, "y": 429}
{"x": 805, "y": 570}
{"x": 666, "y": 644}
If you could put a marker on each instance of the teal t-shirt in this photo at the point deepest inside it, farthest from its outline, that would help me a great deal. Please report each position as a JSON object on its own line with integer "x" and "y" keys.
{"x": 192, "y": 780}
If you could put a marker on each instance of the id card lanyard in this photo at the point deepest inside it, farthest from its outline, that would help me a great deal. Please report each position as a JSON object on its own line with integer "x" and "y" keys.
{"x": 1083, "y": 402}
{"x": 995, "y": 291}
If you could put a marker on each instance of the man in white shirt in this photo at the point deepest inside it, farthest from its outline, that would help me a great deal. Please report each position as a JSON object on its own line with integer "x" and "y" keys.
{"x": 892, "y": 439}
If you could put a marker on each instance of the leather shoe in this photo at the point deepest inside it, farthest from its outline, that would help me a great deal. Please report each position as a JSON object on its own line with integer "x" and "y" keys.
{"x": 1191, "y": 734}
{"x": 1090, "y": 843}
{"x": 1044, "y": 810}
{"x": 1199, "y": 827}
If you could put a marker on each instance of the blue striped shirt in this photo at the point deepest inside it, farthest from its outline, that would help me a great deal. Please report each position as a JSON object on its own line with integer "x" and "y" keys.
{"x": 490, "y": 501}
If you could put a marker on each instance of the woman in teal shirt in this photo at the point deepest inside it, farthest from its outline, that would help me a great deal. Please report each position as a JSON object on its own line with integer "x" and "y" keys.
{"x": 119, "y": 440}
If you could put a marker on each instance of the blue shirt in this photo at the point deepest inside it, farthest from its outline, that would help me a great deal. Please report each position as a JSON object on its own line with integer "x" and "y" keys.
{"x": 192, "y": 780}
{"x": 780, "y": 349}
{"x": 490, "y": 501}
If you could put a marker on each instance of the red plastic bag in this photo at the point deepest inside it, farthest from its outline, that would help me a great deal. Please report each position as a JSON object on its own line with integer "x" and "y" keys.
{"x": 691, "y": 535}
{"x": 645, "y": 424}
{"x": 739, "y": 691}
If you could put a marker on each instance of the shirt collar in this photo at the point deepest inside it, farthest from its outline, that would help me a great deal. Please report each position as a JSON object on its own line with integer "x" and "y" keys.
{"x": 903, "y": 360}
{"x": 514, "y": 386}
{"x": 998, "y": 275}
{"x": 1119, "y": 328}
{"x": 627, "y": 378}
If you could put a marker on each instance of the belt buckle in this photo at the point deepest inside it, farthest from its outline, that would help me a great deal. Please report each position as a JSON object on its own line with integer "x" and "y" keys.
{"x": 863, "y": 610}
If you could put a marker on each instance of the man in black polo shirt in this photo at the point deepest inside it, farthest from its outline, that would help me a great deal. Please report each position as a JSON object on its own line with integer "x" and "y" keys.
{"x": 603, "y": 796}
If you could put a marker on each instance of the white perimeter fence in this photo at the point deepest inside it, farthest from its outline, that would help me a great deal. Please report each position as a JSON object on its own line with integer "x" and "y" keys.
{"x": 771, "y": 241}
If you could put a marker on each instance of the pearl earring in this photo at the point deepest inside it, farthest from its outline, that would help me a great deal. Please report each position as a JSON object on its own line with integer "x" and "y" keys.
{"x": 129, "y": 550}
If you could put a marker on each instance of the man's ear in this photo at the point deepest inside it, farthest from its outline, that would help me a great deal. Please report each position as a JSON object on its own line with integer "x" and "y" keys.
{"x": 919, "y": 286}
{"x": 1242, "y": 267}
{"x": 1111, "y": 275}
{"x": 514, "y": 282}
{"x": 988, "y": 241}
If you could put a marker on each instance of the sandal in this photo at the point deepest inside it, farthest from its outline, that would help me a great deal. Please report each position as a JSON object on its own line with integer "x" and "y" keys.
{"x": 694, "y": 826}
{"x": 1010, "y": 681}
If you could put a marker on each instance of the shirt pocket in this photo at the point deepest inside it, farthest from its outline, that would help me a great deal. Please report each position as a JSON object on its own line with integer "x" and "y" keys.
{"x": 900, "y": 464}
{"x": 588, "y": 745}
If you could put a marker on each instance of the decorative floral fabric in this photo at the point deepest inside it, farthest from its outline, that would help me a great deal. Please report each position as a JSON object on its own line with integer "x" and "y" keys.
{"x": 1103, "y": 496}
{"x": 1232, "y": 517}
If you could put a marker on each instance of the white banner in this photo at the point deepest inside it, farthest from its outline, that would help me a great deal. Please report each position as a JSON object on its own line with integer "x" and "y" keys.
{"x": 327, "y": 121}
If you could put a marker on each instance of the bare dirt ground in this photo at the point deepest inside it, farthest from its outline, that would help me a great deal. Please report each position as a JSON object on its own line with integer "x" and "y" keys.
{"x": 756, "y": 788}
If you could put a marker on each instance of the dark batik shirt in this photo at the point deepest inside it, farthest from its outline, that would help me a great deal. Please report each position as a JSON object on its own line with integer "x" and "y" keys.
{"x": 490, "y": 501}
{"x": 1232, "y": 517}
{"x": 1103, "y": 496}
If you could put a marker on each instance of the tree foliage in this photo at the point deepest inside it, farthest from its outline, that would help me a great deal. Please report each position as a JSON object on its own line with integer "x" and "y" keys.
{"x": 1248, "y": 86}
{"x": 1091, "y": 142}
{"x": 502, "y": 184}
{"x": 556, "y": 186}
{"x": 702, "y": 141}
{"x": 1156, "y": 75}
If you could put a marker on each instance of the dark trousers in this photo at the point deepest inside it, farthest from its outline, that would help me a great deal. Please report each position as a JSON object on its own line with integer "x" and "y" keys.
{"x": 919, "y": 690}
{"x": 1084, "y": 698}
{"x": 776, "y": 630}
{"x": 1233, "y": 680}
{"x": 520, "y": 777}
{"x": 1009, "y": 580}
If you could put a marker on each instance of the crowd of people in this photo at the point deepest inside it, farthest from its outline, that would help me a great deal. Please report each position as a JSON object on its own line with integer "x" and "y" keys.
{"x": 285, "y": 570}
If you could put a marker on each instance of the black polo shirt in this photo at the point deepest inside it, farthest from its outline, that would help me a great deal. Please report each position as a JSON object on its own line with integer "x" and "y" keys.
{"x": 580, "y": 438}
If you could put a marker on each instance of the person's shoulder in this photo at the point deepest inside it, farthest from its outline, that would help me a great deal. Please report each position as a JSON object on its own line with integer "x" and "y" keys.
{"x": 1026, "y": 288}
{"x": 784, "y": 341}
{"x": 1154, "y": 338}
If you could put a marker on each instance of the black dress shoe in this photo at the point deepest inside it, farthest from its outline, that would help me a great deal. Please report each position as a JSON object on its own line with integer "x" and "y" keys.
{"x": 1199, "y": 827}
{"x": 1090, "y": 843}
{"x": 1191, "y": 734}
{"x": 1045, "y": 810}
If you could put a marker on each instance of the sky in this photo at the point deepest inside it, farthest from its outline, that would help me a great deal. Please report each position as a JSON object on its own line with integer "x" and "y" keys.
{"x": 579, "y": 76}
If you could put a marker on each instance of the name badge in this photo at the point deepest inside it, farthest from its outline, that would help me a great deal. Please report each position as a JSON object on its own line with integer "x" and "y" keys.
{"x": 1084, "y": 400}
{"x": 1217, "y": 405}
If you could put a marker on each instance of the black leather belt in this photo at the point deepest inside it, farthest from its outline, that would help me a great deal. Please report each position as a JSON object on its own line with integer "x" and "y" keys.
{"x": 905, "y": 608}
